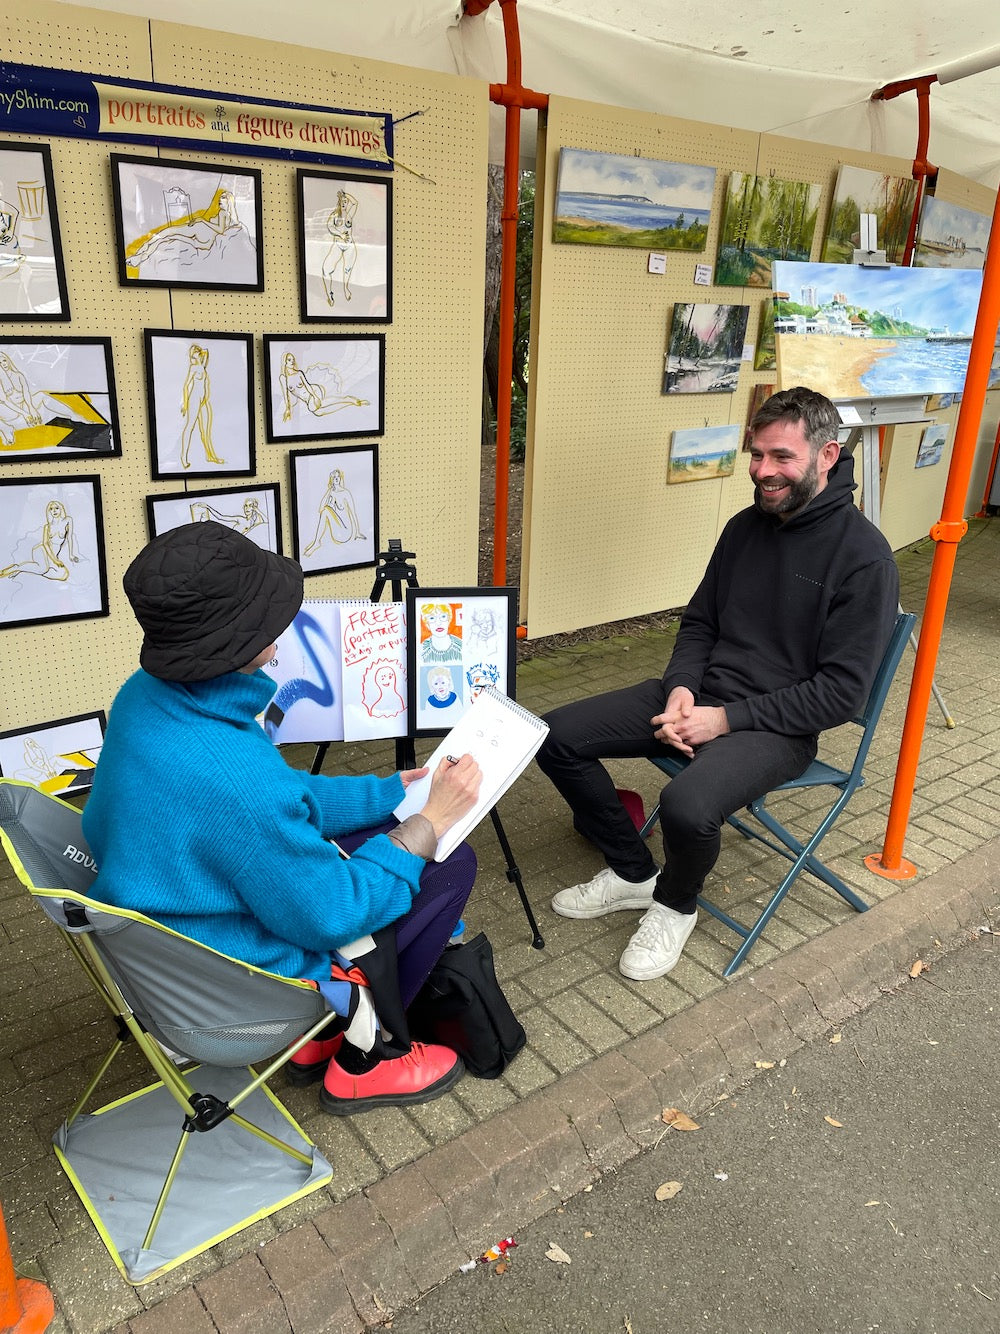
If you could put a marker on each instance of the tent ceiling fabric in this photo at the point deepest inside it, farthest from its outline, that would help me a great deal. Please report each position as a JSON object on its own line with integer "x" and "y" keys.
{"x": 801, "y": 68}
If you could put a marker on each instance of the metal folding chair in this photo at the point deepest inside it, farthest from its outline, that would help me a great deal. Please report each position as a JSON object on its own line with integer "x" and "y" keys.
{"x": 203, "y": 1152}
{"x": 845, "y": 783}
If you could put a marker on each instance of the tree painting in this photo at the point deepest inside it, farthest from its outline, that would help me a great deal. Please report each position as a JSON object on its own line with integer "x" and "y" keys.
{"x": 705, "y": 348}
{"x": 765, "y": 218}
{"x": 890, "y": 198}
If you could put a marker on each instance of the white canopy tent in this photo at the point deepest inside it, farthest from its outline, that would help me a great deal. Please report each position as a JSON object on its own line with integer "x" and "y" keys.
{"x": 805, "y": 69}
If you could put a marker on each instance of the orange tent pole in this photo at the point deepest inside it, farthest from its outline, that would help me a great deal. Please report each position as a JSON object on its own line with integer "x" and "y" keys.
{"x": 512, "y": 95}
{"x": 25, "y": 1306}
{"x": 946, "y": 533}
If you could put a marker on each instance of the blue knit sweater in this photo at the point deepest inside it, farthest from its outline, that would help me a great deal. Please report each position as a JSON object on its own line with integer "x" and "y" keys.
{"x": 196, "y": 820}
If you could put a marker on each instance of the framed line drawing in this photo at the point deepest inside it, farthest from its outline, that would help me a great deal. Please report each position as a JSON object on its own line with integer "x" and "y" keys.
{"x": 57, "y": 399}
{"x": 200, "y": 396}
{"x": 253, "y": 511}
{"x": 320, "y": 386}
{"x": 458, "y": 640}
{"x": 182, "y": 224}
{"x": 59, "y": 757}
{"x": 32, "y": 273}
{"x": 52, "y": 565}
{"x": 345, "y": 247}
{"x": 334, "y": 508}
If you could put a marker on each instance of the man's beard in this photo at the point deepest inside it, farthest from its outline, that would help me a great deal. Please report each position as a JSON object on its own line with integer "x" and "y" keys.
{"x": 797, "y": 496}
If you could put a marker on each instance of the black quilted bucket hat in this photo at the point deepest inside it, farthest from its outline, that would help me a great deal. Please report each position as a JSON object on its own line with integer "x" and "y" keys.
{"x": 209, "y": 600}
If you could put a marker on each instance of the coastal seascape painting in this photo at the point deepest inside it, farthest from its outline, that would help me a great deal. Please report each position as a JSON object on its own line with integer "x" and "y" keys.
{"x": 703, "y": 453}
{"x": 857, "y": 332}
{"x": 764, "y": 219}
{"x": 890, "y": 198}
{"x": 705, "y": 348}
{"x": 950, "y": 237}
{"x": 613, "y": 199}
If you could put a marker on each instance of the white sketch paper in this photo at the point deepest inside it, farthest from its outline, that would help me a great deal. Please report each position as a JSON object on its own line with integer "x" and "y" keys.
{"x": 252, "y": 511}
{"x": 373, "y": 649}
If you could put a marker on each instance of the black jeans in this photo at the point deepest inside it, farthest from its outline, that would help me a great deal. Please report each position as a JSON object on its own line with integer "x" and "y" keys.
{"x": 724, "y": 775}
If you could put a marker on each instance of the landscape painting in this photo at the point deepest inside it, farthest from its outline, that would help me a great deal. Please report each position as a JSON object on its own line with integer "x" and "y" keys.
{"x": 763, "y": 356}
{"x": 704, "y": 453}
{"x": 890, "y": 198}
{"x": 856, "y": 332}
{"x": 932, "y": 444}
{"x": 705, "y": 348}
{"x": 764, "y": 219}
{"x": 950, "y": 237}
{"x": 613, "y": 199}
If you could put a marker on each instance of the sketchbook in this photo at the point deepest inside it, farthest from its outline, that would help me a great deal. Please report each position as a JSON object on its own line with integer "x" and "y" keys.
{"x": 502, "y": 737}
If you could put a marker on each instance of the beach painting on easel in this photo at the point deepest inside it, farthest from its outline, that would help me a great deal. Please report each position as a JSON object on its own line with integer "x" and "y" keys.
{"x": 851, "y": 331}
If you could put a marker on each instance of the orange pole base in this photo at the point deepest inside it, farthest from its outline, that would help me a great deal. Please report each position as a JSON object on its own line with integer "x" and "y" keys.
{"x": 37, "y": 1308}
{"x": 904, "y": 871}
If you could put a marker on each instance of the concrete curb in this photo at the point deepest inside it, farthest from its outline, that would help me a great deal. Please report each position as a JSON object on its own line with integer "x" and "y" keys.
{"x": 353, "y": 1264}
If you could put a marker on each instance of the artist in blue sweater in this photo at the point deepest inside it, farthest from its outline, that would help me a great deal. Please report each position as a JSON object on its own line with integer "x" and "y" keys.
{"x": 196, "y": 820}
{"x": 781, "y": 640}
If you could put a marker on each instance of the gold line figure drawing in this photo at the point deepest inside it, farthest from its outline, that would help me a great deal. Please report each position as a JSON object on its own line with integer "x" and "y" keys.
{"x": 11, "y": 257}
{"x": 22, "y": 406}
{"x": 297, "y": 387}
{"x": 196, "y": 407}
{"x": 338, "y": 515}
{"x": 252, "y": 516}
{"x": 440, "y": 645}
{"x": 38, "y": 764}
{"x": 56, "y": 541}
{"x": 190, "y": 238}
{"x": 380, "y": 692}
{"x": 343, "y": 253}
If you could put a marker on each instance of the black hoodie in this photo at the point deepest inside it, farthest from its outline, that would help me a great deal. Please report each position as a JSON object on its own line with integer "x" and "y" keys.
{"x": 788, "y": 625}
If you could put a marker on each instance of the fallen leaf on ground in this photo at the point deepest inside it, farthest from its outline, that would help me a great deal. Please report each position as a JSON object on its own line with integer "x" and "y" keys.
{"x": 668, "y": 1190}
{"x": 557, "y": 1255}
{"x": 763, "y": 1065}
{"x": 837, "y": 1037}
{"x": 831, "y": 1122}
{"x": 673, "y": 1116}
{"x": 871, "y": 1203}
{"x": 500, "y": 1267}
{"x": 917, "y": 967}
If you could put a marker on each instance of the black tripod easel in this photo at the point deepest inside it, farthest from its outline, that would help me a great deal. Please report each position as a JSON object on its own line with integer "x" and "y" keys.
{"x": 395, "y": 569}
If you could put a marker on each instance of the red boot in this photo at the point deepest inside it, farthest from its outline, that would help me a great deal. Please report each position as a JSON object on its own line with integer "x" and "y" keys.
{"x": 309, "y": 1062}
{"x": 425, "y": 1072}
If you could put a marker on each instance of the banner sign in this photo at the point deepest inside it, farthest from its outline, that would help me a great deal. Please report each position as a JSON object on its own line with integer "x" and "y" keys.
{"x": 35, "y": 100}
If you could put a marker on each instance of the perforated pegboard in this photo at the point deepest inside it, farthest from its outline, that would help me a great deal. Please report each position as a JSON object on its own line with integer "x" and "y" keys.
{"x": 429, "y": 454}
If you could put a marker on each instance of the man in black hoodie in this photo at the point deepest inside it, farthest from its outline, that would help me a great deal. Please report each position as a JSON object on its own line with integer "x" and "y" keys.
{"x": 780, "y": 641}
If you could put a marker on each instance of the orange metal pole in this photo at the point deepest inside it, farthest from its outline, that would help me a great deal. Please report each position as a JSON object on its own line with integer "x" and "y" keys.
{"x": 922, "y": 169}
{"x": 26, "y": 1307}
{"x": 947, "y": 533}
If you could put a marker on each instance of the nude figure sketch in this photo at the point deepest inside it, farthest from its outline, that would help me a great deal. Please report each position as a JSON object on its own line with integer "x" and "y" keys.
{"x": 251, "y": 517}
{"x": 49, "y": 555}
{"x": 197, "y": 240}
{"x": 343, "y": 253}
{"x": 23, "y": 406}
{"x": 319, "y": 393}
{"x": 196, "y": 407}
{"x": 338, "y": 515}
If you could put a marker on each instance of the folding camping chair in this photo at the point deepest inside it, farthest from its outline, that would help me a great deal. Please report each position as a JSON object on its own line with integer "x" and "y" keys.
{"x": 139, "y": 1181}
{"x": 845, "y": 783}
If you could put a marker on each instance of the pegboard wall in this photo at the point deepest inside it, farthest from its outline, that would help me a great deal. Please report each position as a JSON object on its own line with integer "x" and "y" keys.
{"x": 605, "y": 536}
{"x": 429, "y": 454}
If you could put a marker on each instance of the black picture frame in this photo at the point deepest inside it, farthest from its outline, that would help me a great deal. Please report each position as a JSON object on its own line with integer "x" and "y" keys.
{"x": 57, "y": 399}
{"x": 65, "y": 764}
{"x": 52, "y": 561}
{"x": 199, "y": 391}
{"x": 345, "y": 247}
{"x": 187, "y": 224}
{"x": 344, "y": 522}
{"x": 476, "y": 649}
{"x": 254, "y": 511}
{"x": 323, "y": 386}
{"x": 29, "y": 236}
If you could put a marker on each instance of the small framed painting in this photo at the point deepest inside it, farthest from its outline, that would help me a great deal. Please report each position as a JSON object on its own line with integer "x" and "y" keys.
{"x": 703, "y": 453}
{"x": 59, "y": 757}
{"x": 458, "y": 640}
{"x": 345, "y": 247}
{"x": 253, "y": 511}
{"x": 57, "y": 399}
{"x": 32, "y": 273}
{"x": 183, "y": 224}
{"x": 201, "y": 412}
{"x": 52, "y": 564}
{"x": 317, "y": 386}
{"x": 334, "y": 508}
{"x": 932, "y": 444}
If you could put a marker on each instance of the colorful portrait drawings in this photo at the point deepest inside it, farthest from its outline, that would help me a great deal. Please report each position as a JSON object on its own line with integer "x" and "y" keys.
{"x": 459, "y": 642}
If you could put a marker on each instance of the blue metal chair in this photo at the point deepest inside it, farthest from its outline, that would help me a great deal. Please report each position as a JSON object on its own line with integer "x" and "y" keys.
{"x": 845, "y": 782}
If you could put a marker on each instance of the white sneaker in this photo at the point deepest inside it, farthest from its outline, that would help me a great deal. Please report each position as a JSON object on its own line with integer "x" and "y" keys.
{"x": 657, "y": 944}
{"x": 607, "y": 892}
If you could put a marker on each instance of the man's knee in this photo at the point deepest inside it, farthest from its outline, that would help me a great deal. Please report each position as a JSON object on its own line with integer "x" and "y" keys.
{"x": 684, "y": 815}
